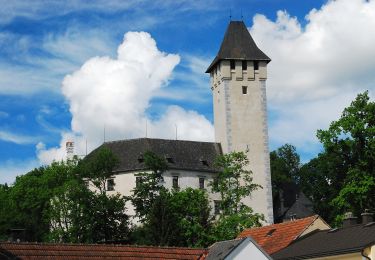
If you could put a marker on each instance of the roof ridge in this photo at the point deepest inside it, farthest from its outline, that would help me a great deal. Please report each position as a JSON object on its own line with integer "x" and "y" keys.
{"x": 96, "y": 244}
{"x": 284, "y": 223}
{"x": 159, "y": 139}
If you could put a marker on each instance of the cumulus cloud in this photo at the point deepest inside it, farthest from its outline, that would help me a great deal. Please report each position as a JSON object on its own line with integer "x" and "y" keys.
{"x": 114, "y": 94}
{"x": 318, "y": 68}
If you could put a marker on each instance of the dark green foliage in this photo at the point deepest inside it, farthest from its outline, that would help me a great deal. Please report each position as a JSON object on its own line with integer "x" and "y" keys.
{"x": 5, "y": 210}
{"x": 285, "y": 174}
{"x": 177, "y": 218}
{"x": 53, "y": 203}
{"x": 99, "y": 167}
{"x": 149, "y": 185}
{"x": 170, "y": 218}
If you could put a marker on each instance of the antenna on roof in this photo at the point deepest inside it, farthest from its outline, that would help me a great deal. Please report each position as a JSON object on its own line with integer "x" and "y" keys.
{"x": 104, "y": 134}
{"x": 176, "y": 130}
{"x": 230, "y": 14}
{"x": 146, "y": 127}
{"x": 241, "y": 15}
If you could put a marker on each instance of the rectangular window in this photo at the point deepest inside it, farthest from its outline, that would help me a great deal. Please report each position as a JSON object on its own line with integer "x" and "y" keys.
{"x": 244, "y": 90}
{"x": 201, "y": 183}
{"x": 232, "y": 64}
{"x": 110, "y": 184}
{"x": 217, "y": 204}
{"x": 244, "y": 65}
{"x": 256, "y": 65}
{"x": 175, "y": 182}
{"x": 138, "y": 181}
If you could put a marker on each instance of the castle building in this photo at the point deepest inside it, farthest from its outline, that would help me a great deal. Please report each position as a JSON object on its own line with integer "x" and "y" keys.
{"x": 238, "y": 82}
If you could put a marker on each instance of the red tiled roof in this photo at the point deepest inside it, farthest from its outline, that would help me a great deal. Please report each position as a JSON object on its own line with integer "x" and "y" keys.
{"x": 31, "y": 251}
{"x": 275, "y": 237}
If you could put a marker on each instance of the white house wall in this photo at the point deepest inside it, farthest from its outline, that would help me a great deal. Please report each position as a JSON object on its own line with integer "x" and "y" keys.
{"x": 125, "y": 183}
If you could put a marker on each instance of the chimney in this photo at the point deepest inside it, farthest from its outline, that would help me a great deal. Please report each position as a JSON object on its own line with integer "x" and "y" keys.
{"x": 367, "y": 217}
{"x": 349, "y": 220}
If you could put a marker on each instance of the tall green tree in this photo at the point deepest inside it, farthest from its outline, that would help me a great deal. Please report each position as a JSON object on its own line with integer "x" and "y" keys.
{"x": 234, "y": 183}
{"x": 169, "y": 217}
{"x": 343, "y": 175}
{"x": 285, "y": 173}
{"x": 109, "y": 221}
{"x": 149, "y": 184}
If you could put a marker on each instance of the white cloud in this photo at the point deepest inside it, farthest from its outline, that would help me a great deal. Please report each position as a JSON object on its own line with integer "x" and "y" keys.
{"x": 12, "y": 168}
{"x": 115, "y": 94}
{"x": 193, "y": 82}
{"x": 16, "y": 138}
{"x": 316, "y": 69}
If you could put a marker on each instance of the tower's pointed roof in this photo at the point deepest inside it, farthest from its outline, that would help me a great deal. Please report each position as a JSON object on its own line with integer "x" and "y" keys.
{"x": 238, "y": 44}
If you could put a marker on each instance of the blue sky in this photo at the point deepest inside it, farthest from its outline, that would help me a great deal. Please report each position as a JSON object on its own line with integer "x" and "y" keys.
{"x": 321, "y": 58}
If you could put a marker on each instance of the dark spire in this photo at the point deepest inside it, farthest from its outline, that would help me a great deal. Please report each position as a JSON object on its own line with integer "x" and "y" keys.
{"x": 238, "y": 45}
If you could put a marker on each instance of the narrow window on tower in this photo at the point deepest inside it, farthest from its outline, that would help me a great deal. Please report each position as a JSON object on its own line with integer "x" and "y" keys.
{"x": 256, "y": 65}
{"x": 244, "y": 90}
{"x": 232, "y": 64}
{"x": 244, "y": 65}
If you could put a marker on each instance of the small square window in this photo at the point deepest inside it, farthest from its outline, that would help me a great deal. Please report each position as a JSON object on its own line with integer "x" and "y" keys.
{"x": 201, "y": 183}
{"x": 110, "y": 184}
{"x": 256, "y": 65}
{"x": 244, "y": 90}
{"x": 244, "y": 65}
{"x": 217, "y": 207}
{"x": 232, "y": 64}
{"x": 175, "y": 182}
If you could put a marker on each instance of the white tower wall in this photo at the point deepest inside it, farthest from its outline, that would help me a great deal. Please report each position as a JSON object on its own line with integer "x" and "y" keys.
{"x": 241, "y": 123}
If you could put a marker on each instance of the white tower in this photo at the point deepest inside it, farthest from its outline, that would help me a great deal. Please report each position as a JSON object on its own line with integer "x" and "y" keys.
{"x": 238, "y": 83}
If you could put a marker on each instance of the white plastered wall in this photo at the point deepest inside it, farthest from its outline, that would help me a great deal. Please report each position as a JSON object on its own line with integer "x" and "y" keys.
{"x": 241, "y": 123}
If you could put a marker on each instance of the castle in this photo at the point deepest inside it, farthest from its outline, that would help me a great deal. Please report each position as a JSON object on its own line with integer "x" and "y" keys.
{"x": 238, "y": 81}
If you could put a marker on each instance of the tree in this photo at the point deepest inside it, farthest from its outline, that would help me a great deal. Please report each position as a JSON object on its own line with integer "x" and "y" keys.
{"x": 192, "y": 215}
{"x": 352, "y": 138}
{"x": 234, "y": 183}
{"x": 109, "y": 221}
{"x": 70, "y": 213}
{"x": 98, "y": 167}
{"x": 148, "y": 185}
{"x": 343, "y": 175}
{"x": 5, "y": 211}
{"x": 285, "y": 175}
{"x": 169, "y": 218}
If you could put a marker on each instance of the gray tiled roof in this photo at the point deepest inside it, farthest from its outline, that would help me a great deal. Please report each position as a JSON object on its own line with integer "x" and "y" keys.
{"x": 238, "y": 44}
{"x": 184, "y": 155}
{"x": 330, "y": 242}
{"x": 221, "y": 249}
